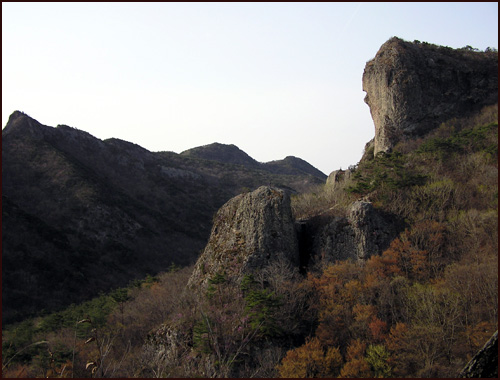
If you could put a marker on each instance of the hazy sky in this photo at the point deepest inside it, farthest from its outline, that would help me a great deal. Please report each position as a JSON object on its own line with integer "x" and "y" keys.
{"x": 275, "y": 79}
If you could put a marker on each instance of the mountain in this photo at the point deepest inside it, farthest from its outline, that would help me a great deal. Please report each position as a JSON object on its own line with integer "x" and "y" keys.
{"x": 293, "y": 166}
{"x": 83, "y": 215}
{"x": 231, "y": 154}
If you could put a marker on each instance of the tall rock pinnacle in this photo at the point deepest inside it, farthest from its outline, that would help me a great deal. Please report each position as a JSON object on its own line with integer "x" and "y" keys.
{"x": 249, "y": 231}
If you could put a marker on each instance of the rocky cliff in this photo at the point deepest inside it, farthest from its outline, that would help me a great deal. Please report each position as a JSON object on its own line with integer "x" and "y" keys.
{"x": 249, "y": 231}
{"x": 412, "y": 87}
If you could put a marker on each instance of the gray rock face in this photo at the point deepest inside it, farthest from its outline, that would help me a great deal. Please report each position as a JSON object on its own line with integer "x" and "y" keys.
{"x": 255, "y": 228}
{"x": 412, "y": 87}
{"x": 372, "y": 232}
{"x": 249, "y": 231}
{"x": 485, "y": 362}
{"x": 338, "y": 176}
{"x": 164, "y": 345}
{"x": 363, "y": 233}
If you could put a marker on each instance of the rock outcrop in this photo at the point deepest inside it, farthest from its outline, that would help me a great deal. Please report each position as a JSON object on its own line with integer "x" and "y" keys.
{"x": 412, "y": 87}
{"x": 338, "y": 176}
{"x": 249, "y": 231}
{"x": 363, "y": 233}
{"x": 253, "y": 229}
{"x": 485, "y": 362}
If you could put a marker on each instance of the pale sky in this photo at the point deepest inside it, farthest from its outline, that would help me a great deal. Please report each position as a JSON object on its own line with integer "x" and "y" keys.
{"x": 275, "y": 79}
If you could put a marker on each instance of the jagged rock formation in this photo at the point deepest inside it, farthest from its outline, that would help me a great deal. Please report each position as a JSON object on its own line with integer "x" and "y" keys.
{"x": 363, "y": 233}
{"x": 249, "y": 231}
{"x": 412, "y": 87}
{"x": 252, "y": 229}
{"x": 485, "y": 363}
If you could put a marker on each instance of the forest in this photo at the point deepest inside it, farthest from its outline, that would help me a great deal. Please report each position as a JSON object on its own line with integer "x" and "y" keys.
{"x": 422, "y": 308}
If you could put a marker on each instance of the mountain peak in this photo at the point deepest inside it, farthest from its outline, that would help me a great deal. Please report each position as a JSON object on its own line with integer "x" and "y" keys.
{"x": 20, "y": 122}
{"x": 18, "y": 116}
{"x": 294, "y": 166}
{"x": 229, "y": 154}
{"x": 15, "y": 115}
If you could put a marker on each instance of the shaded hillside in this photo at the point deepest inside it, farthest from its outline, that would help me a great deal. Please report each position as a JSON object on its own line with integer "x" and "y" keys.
{"x": 121, "y": 211}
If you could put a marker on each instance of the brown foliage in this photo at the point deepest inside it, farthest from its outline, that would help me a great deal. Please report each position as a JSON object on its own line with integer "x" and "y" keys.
{"x": 356, "y": 364}
{"x": 17, "y": 371}
{"x": 311, "y": 360}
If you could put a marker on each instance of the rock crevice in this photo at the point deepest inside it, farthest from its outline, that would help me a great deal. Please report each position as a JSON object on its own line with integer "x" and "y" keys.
{"x": 364, "y": 232}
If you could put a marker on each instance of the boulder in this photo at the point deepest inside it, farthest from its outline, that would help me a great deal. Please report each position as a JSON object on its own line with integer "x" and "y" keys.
{"x": 249, "y": 231}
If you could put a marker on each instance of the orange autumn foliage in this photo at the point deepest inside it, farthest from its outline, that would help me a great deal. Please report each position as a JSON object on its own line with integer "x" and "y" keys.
{"x": 356, "y": 365}
{"x": 311, "y": 360}
{"x": 378, "y": 329}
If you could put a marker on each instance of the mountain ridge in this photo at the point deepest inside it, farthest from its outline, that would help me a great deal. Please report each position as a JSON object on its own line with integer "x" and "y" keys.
{"x": 230, "y": 153}
{"x": 124, "y": 211}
